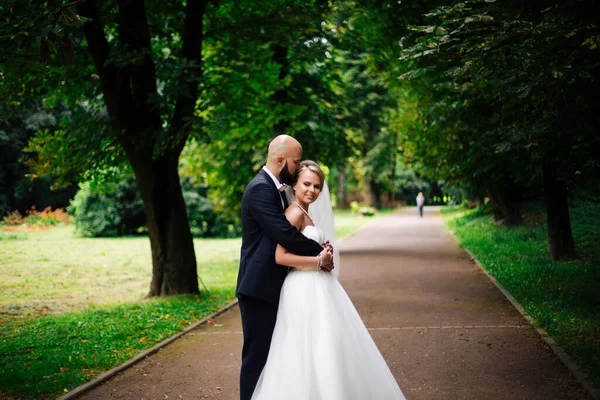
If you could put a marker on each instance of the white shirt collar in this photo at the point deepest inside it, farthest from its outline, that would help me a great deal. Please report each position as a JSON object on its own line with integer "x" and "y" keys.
{"x": 275, "y": 180}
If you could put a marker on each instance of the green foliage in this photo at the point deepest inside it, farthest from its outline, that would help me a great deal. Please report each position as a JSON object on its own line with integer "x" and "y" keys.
{"x": 108, "y": 214}
{"x": 35, "y": 218}
{"x": 117, "y": 210}
{"x": 47, "y": 217}
{"x": 256, "y": 92}
{"x": 20, "y": 189}
{"x": 367, "y": 211}
{"x": 560, "y": 297}
{"x": 205, "y": 221}
{"x": 371, "y": 102}
{"x": 503, "y": 88}
{"x": 357, "y": 209}
{"x": 326, "y": 89}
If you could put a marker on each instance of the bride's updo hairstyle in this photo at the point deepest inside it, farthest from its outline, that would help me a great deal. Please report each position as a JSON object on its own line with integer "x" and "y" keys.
{"x": 313, "y": 167}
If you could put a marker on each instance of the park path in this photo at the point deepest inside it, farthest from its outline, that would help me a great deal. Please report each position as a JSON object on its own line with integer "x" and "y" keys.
{"x": 445, "y": 330}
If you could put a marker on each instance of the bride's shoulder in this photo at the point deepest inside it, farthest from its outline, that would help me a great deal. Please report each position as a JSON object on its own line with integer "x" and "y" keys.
{"x": 295, "y": 216}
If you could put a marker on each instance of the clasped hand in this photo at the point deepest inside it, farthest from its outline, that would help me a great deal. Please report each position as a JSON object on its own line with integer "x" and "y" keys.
{"x": 327, "y": 257}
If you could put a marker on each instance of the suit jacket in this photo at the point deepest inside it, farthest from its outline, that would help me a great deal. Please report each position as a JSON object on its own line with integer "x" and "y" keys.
{"x": 263, "y": 227}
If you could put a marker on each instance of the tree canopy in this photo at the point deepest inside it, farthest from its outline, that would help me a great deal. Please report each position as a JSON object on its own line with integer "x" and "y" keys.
{"x": 492, "y": 97}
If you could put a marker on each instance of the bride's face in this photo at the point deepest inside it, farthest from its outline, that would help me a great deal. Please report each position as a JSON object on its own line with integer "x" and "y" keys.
{"x": 308, "y": 186}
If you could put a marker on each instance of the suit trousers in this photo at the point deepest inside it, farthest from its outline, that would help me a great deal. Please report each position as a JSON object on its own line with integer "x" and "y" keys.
{"x": 258, "y": 324}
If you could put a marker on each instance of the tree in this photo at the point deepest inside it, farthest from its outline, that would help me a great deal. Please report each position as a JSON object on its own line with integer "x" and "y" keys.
{"x": 149, "y": 123}
{"x": 130, "y": 93}
{"x": 146, "y": 75}
{"x": 514, "y": 82}
{"x": 366, "y": 49}
{"x": 274, "y": 76}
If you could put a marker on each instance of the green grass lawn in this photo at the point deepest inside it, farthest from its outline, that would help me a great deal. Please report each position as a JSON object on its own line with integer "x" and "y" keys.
{"x": 71, "y": 308}
{"x": 561, "y": 297}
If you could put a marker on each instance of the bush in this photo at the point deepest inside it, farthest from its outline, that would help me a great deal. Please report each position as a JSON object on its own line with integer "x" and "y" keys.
{"x": 367, "y": 211}
{"x": 14, "y": 218}
{"x": 118, "y": 213}
{"x": 204, "y": 221}
{"x": 47, "y": 217}
{"x": 364, "y": 211}
{"x": 121, "y": 212}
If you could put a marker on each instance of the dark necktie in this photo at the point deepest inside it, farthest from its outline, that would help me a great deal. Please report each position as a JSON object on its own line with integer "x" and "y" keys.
{"x": 285, "y": 201}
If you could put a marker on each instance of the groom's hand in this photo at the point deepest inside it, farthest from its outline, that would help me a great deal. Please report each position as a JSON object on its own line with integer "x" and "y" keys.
{"x": 327, "y": 259}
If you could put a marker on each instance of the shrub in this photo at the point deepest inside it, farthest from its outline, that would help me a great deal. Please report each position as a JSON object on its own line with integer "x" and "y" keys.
{"x": 121, "y": 212}
{"x": 118, "y": 213}
{"x": 204, "y": 220}
{"x": 14, "y": 218}
{"x": 364, "y": 211}
{"x": 47, "y": 217}
{"x": 367, "y": 211}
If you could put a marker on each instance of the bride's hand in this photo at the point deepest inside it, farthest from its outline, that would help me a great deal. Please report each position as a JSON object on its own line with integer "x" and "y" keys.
{"x": 327, "y": 259}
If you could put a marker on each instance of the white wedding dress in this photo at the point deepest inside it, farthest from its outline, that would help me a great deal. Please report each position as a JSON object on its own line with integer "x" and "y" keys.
{"x": 321, "y": 350}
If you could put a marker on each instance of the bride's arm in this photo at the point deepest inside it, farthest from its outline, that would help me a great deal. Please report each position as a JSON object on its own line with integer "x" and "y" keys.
{"x": 284, "y": 257}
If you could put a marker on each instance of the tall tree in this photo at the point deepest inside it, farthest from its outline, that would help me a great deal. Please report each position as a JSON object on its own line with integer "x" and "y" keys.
{"x": 274, "y": 76}
{"x": 130, "y": 92}
{"x": 150, "y": 107}
{"x": 514, "y": 83}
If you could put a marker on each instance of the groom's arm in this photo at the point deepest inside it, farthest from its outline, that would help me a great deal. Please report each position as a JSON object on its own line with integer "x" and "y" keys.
{"x": 269, "y": 216}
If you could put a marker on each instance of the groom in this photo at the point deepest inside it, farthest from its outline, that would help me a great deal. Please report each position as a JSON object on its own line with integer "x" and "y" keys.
{"x": 260, "y": 279}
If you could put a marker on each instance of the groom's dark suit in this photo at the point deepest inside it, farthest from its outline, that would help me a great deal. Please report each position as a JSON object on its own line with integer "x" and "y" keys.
{"x": 260, "y": 279}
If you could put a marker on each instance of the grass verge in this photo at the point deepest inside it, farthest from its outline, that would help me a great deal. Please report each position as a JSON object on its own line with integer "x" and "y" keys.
{"x": 561, "y": 297}
{"x": 72, "y": 308}
{"x": 47, "y": 356}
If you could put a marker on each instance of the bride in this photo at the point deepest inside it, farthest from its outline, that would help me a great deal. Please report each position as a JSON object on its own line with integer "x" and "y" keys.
{"x": 320, "y": 350}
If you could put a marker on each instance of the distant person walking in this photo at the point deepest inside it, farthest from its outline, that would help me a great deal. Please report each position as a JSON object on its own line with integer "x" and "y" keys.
{"x": 420, "y": 203}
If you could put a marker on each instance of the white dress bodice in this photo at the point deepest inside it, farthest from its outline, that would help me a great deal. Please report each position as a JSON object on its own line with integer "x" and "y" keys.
{"x": 314, "y": 233}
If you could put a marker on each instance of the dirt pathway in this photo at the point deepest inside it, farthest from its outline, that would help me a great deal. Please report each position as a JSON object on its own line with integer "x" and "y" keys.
{"x": 446, "y": 331}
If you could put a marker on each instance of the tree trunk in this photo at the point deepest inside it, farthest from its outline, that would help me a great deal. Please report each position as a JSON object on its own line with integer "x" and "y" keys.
{"x": 394, "y": 155}
{"x": 375, "y": 194}
{"x": 560, "y": 237}
{"x": 173, "y": 256}
{"x": 342, "y": 199}
{"x": 506, "y": 200}
{"x": 512, "y": 214}
{"x": 129, "y": 90}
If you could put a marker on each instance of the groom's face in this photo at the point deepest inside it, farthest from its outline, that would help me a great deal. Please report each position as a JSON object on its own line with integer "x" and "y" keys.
{"x": 287, "y": 174}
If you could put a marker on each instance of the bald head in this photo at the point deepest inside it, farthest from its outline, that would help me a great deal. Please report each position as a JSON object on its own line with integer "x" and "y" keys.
{"x": 284, "y": 151}
{"x": 282, "y": 146}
